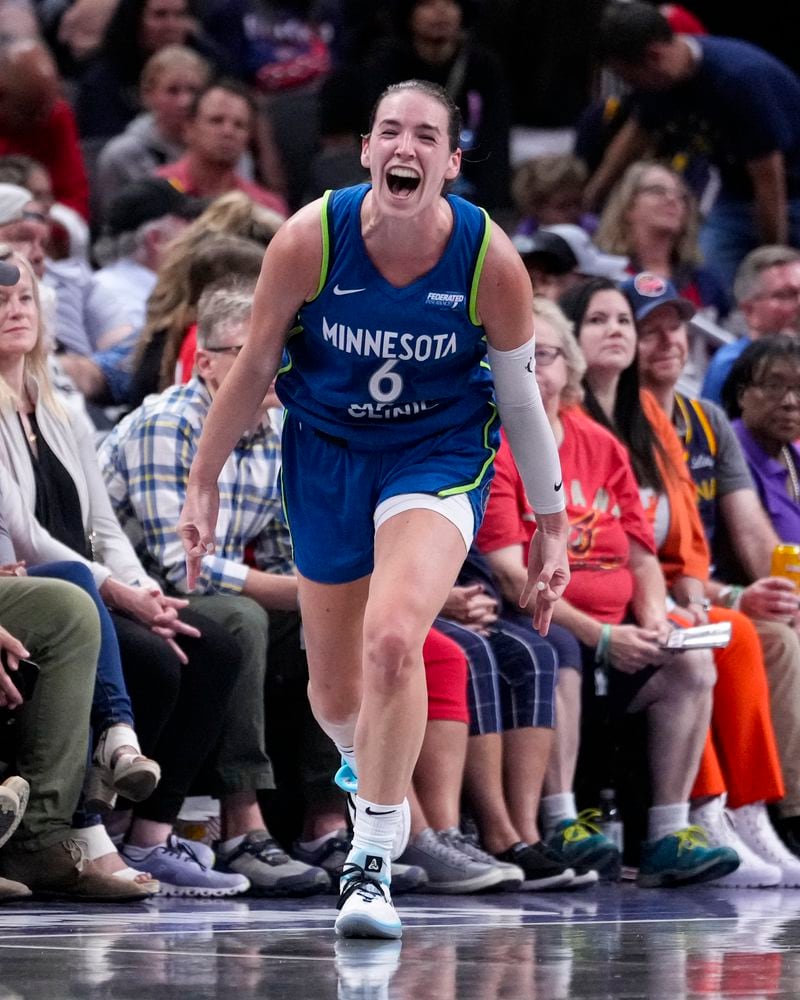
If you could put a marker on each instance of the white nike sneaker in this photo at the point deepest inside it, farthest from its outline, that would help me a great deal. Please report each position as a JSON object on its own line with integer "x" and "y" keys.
{"x": 365, "y": 903}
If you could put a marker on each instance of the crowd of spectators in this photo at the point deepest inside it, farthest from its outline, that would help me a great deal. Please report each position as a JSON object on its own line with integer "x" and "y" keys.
{"x": 149, "y": 152}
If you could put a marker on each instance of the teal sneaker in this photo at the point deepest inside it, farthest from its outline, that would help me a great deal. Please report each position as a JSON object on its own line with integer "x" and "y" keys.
{"x": 683, "y": 858}
{"x": 346, "y": 778}
{"x": 581, "y": 842}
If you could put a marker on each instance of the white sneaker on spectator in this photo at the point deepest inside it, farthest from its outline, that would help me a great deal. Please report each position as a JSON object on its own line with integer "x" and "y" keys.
{"x": 754, "y": 827}
{"x": 754, "y": 872}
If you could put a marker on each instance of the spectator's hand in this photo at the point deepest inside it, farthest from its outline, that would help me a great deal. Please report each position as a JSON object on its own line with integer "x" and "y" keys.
{"x": 772, "y": 597}
{"x": 689, "y": 593}
{"x": 548, "y": 569}
{"x": 12, "y": 652}
{"x": 153, "y": 609}
{"x": 13, "y": 569}
{"x": 196, "y": 527}
{"x": 471, "y": 606}
{"x": 632, "y": 648}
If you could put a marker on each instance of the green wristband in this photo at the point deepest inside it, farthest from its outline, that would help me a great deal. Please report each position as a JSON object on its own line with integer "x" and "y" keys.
{"x": 602, "y": 650}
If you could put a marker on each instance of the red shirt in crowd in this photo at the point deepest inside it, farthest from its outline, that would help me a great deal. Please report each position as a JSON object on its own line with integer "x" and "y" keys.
{"x": 179, "y": 174}
{"x": 54, "y": 143}
{"x": 603, "y": 508}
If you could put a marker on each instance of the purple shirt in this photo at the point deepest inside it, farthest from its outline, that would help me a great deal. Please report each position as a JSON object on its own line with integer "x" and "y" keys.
{"x": 770, "y": 477}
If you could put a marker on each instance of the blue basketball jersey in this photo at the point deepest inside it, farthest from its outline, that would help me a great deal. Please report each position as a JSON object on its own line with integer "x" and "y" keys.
{"x": 377, "y": 365}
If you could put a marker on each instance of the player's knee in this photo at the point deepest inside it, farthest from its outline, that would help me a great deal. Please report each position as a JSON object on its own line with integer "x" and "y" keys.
{"x": 391, "y": 654}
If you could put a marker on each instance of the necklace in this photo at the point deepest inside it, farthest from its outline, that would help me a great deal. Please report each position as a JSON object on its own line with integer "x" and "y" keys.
{"x": 792, "y": 469}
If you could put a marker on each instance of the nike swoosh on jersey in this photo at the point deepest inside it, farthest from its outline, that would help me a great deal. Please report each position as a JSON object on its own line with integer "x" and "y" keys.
{"x": 346, "y": 291}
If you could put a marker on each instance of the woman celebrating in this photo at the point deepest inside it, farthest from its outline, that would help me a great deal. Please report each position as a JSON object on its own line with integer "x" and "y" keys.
{"x": 391, "y": 291}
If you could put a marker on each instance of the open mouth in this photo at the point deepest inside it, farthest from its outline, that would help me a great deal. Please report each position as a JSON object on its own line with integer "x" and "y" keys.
{"x": 402, "y": 181}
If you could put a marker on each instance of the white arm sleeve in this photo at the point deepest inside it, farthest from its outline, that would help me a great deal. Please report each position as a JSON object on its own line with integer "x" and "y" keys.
{"x": 527, "y": 427}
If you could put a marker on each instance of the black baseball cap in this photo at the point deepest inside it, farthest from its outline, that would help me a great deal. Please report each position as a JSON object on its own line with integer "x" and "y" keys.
{"x": 549, "y": 251}
{"x": 144, "y": 200}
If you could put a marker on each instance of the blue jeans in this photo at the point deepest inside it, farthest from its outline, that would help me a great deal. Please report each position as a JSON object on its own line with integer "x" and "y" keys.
{"x": 110, "y": 703}
{"x": 729, "y": 234}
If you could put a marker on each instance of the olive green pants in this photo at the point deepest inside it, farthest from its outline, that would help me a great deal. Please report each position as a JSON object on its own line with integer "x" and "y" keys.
{"x": 59, "y": 626}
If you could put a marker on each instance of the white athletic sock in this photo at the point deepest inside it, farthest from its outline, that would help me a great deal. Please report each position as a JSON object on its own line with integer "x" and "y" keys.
{"x": 226, "y": 846}
{"x": 376, "y": 826}
{"x": 556, "y": 808}
{"x": 664, "y": 820}
{"x": 348, "y": 754}
{"x": 313, "y": 845}
{"x": 138, "y": 853}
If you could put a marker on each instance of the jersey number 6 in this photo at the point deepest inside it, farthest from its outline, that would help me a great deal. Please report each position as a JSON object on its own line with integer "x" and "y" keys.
{"x": 385, "y": 385}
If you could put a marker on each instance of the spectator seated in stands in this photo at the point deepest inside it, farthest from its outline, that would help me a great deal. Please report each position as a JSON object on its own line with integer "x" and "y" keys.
{"x": 652, "y": 217}
{"x": 454, "y": 864}
{"x": 761, "y": 396}
{"x": 55, "y": 624}
{"x": 221, "y": 123}
{"x": 737, "y": 528}
{"x": 171, "y": 79}
{"x": 512, "y": 676}
{"x": 767, "y": 292}
{"x": 548, "y": 190}
{"x": 560, "y": 256}
{"x": 110, "y": 308}
{"x": 49, "y": 452}
{"x": 108, "y": 95}
{"x": 166, "y": 353}
{"x": 117, "y": 765}
{"x": 615, "y": 606}
{"x": 255, "y": 602}
{"x": 36, "y": 121}
{"x": 69, "y": 232}
{"x": 606, "y": 332}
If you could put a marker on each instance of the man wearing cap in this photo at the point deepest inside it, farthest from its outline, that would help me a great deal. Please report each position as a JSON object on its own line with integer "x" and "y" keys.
{"x": 734, "y": 521}
{"x": 560, "y": 256}
{"x": 143, "y": 217}
{"x": 23, "y": 225}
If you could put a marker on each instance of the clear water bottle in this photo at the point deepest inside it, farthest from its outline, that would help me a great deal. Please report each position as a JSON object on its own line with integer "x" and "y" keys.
{"x": 610, "y": 821}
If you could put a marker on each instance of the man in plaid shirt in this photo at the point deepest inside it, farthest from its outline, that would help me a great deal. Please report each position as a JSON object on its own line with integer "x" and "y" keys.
{"x": 247, "y": 584}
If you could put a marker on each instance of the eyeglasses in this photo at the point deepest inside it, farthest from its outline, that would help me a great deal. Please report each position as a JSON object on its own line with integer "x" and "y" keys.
{"x": 233, "y": 350}
{"x": 776, "y": 392}
{"x": 547, "y": 355}
{"x": 663, "y": 191}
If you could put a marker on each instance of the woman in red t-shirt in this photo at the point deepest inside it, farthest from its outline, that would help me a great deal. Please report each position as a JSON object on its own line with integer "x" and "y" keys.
{"x": 615, "y": 604}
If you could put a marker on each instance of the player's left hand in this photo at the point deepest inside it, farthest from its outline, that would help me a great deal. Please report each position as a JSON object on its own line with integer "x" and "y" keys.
{"x": 548, "y": 569}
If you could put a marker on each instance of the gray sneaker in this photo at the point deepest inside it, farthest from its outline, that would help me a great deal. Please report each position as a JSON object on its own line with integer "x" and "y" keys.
{"x": 271, "y": 872}
{"x": 449, "y": 870}
{"x": 513, "y": 876}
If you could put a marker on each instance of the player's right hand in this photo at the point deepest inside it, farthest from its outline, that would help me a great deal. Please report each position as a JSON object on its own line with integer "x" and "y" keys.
{"x": 196, "y": 527}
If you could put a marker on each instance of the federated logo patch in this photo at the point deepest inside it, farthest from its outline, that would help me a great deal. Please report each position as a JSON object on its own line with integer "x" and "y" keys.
{"x": 445, "y": 300}
{"x": 373, "y": 863}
